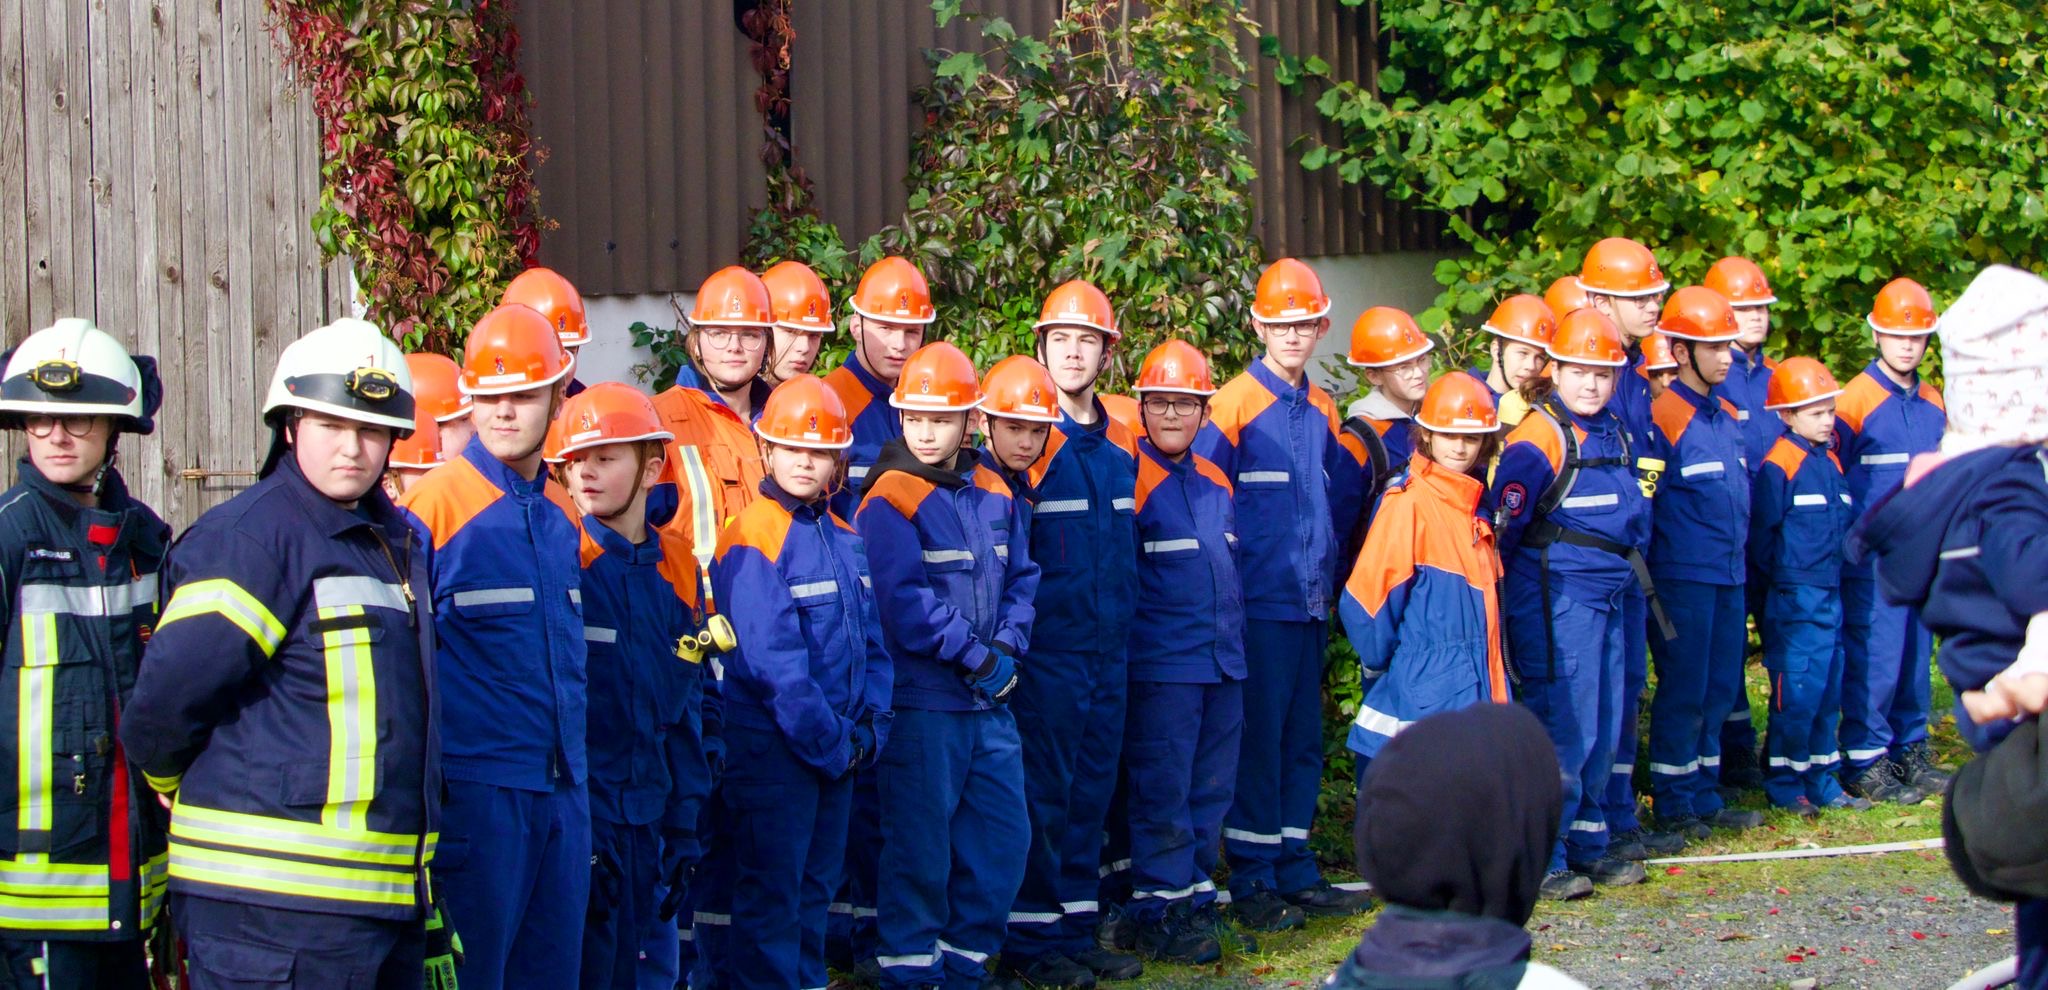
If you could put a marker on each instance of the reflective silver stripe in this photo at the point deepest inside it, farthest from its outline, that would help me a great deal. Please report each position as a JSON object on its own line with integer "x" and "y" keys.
{"x": 62, "y": 910}
{"x": 1675, "y": 770}
{"x": 866, "y": 581}
{"x": 1623, "y": 769}
{"x": 857, "y": 471}
{"x": 351, "y": 721}
{"x": 703, "y": 510}
{"x": 1591, "y": 501}
{"x": 1848, "y": 499}
{"x": 813, "y": 589}
{"x": 967, "y": 954}
{"x": 1173, "y": 895}
{"x": 1703, "y": 467}
{"x": 948, "y": 556}
{"x": 1859, "y": 755}
{"x": 1809, "y": 499}
{"x": 252, "y": 872}
{"x": 1255, "y": 838}
{"x": 1035, "y": 917}
{"x": 1061, "y": 505}
{"x": 52, "y": 879}
{"x": 599, "y": 634}
{"x": 1710, "y": 761}
{"x": 1169, "y": 546}
{"x": 576, "y": 595}
{"x": 1742, "y": 415}
{"x": 1961, "y": 553}
{"x": 1003, "y": 551}
{"x": 1377, "y": 722}
{"x": 494, "y": 596}
{"x": 710, "y": 918}
{"x": 1886, "y": 458}
{"x": 1123, "y": 503}
{"x": 34, "y": 720}
{"x": 362, "y": 592}
{"x": 194, "y": 823}
{"x": 1294, "y": 833}
{"x": 1117, "y": 867}
{"x": 920, "y": 961}
{"x": 37, "y": 599}
{"x": 1231, "y": 538}
{"x": 1737, "y": 716}
{"x": 1263, "y": 477}
{"x": 1827, "y": 759}
{"x": 1586, "y": 826}
{"x": 1079, "y": 907}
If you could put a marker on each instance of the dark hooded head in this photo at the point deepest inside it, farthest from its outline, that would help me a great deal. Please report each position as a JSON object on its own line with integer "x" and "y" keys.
{"x": 1459, "y": 813}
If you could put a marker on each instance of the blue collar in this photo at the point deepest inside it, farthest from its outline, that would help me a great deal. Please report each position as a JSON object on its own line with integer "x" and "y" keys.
{"x": 1875, "y": 369}
{"x": 374, "y": 509}
{"x": 1702, "y": 403}
{"x": 1182, "y": 466}
{"x": 1075, "y": 428}
{"x": 796, "y": 507}
{"x": 874, "y": 385}
{"x": 499, "y": 473}
{"x": 647, "y": 551}
{"x": 1277, "y": 385}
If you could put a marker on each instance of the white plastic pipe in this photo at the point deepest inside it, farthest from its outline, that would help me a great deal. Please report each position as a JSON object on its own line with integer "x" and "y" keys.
{"x": 1878, "y": 847}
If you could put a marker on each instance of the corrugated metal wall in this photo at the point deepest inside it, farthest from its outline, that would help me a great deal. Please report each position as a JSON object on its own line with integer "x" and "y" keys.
{"x": 651, "y": 132}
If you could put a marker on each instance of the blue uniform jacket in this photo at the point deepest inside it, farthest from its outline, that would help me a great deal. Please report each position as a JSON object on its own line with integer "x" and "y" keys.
{"x": 1702, "y": 506}
{"x": 288, "y": 697}
{"x": 647, "y": 754}
{"x": 1422, "y": 605}
{"x": 1879, "y": 426}
{"x": 1632, "y": 399}
{"x": 874, "y": 423}
{"x": 1799, "y": 515}
{"x": 810, "y": 664}
{"x": 952, "y": 572}
{"x": 1188, "y": 588}
{"x": 1968, "y": 544}
{"x": 1605, "y": 502}
{"x": 1294, "y": 486}
{"x": 1747, "y": 385}
{"x": 1084, "y": 536}
{"x": 508, "y": 616}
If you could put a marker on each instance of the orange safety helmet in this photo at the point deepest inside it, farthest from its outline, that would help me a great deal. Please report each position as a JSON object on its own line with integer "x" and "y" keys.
{"x": 611, "y": 412}
{"x": 937, "y": 377}
{"x": 1741, "y": 281}
{"x": 1123, "y": 409}
{"x": 1657, "y": 354}
{"x": 512, "y": 349}
{"x": 1565, "y": 295}
{"x": 1800, "y": 381}
{"x": 421, "y": 450}
{"x": 1903, "y": 309}
{"x": 1698, "y": 314}
{"x": 733, "y": 297}
{"x": 1289, "y": 292}
{"x": 1587, "y": 336}
{"x": 1618, "y": 266}
{"x": 805, "y": 412}
{"x": 552, "y": 296}
{"x": 1175, "y": 366}
{"x": 1078, "y": 304}
{"x": 1018, "y": 387}
{"x": 437, "y": 386}
{"x": 1525, "y": 318}
{"x": 798, "y": 298}
{"x": 1458, "y": 403}
{"x": 892, "y": 289}
{"x": 1383, "y": 336}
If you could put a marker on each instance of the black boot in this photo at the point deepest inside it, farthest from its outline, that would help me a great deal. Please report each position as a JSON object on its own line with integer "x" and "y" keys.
{"x": 1610, "y": 872}
{"x": 1048, "y": 972}
{"x": 1326, "y": 901}
{"x": 1174, "y": 939}
{"x": 1739, "y": 769}
{"x": 1109, "y": 964}
{"x": 1920, "y": 770}
{"x": 1208, "y": 919}
{"x": 1883, "y": 781}
{"x": 1266, "y": 911}
{"x": 1116, "y": 931}
{"x": 1564, "y": 885}
{"x": 1639, "y": 843}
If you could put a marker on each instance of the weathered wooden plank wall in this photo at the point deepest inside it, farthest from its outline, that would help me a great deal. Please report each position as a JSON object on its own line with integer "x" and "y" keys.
{"x": 158, "y": 166}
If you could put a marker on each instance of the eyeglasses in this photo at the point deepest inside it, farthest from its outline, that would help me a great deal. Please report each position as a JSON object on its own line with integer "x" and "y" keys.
{"x": 749, "y": 340}
{"x": 1179, "y": 405}
{"x": 1299, "y": 331}
{"x": 42, "y": 425}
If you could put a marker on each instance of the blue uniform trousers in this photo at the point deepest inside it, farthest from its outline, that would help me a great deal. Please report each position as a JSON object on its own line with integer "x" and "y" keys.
{"x": 1070, "y": 715}
{"x": 1280, "y": 763}
{"x": 850, "y": 927}
{"x": 1738, "y": 730}
{"x": 1113, "y": 891}
{"x": 954, "y": 834}
{"x": 1885, "y": 686}
{"x": 2030, "y": 921}
{"x": 1699, "y": 673}
{"x": 514, "y": 866}
{"x": 707, "y": 910}
{"x": 1803, "y": 654}
{"x": 1576, "y": 693}
{"x": 1619, "y": 803}
{"x": 788, "y": 840}
{"x": 231, "y": 946}
{"x": 612, "y": 932}
{"x": 1181, "y": 746}
{"x": 661, "y": 955}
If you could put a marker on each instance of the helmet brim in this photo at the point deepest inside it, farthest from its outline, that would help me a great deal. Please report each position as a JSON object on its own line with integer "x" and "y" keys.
{"x": 1469, "y": 427}
{"x": 896, "y": 403}
{"x": 1894, "y": 332}
{"x": 1403, "y": 359}
{"x": 1823, "y": 397}
{"x": 896, "y": 317}
{"x": 1043, "y": 325}
{"x": 568, "y": 368}
{"x": 563, "y": 454}
{"x": 1626, "y": 294}
{"x": 805, "y": 444}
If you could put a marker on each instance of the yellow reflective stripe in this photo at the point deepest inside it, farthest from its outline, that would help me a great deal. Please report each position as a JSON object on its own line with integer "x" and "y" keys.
{"x": 351, "y": 722}
{"x": 32, "y": 724}
{"x": 155, "y": 874}
{"x": 704, "y": 517}
{"x": 70, "y": 914}
{"x": 283, "y": 876}
{"x": 231, "y": 828}
{"x": 222, "y": 597}
{"x": 29, "y": 877}
{"x": 163, "y": 785}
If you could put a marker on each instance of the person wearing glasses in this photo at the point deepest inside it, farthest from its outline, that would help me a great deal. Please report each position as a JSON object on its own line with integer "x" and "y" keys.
{"x": 78, "y": 563}
{"x": 287, "y": 701}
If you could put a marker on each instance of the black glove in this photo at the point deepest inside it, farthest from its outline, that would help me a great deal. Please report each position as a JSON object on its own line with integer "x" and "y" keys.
{"x": 997, "y": 676}
{"x": 444, "y": 946}
{"x": 678, "y": 854}
{"x": 606, "y": 880}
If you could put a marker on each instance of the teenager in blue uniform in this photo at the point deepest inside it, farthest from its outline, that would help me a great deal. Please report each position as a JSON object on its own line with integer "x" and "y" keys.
{"x": 1885, "y": 415}
{"x": 1393, "y": 354}
{"x": 1070, "y": 709}
{"x": 1019, "y": 407}
{"x": 1697, "y": 559}
{"x": 1187, "y": 672}
{"x": 1518, "y": 329}
{"x": 1274, "y": 435}
{"x": 806, "y": 693}
{"x": 78, "y": 595}
{"x": 500, "y": 546}
{"x": 954, "y": 582}
{"x": 288, "y": 700}
{"x": 1799, "y": 515}
{"x": 1573, "y": 524}
{"x": 648, "y": 770}
{"x": 1422, "y": 604}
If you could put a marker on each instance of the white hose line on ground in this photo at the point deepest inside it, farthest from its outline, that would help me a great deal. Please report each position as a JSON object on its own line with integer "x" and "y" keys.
{"x": 1999, "y": 974}
{"x": 1878, "y": 847}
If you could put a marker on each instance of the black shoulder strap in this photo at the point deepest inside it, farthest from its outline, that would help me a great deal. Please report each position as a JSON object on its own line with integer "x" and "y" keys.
{"x": 1376, "y": 456}
{"x": 1568, "y": 473}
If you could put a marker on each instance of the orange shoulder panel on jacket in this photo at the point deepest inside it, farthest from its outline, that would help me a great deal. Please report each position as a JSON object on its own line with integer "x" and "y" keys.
{"x": 1672, "y": 415}
{"x": 1388, "y": 557}
{"x": 1546, "y": 434}
{"x": 1353, "y": 446}
{"x": 1208, "y": 469}
{"x": 587, "y": 547}
{"x": 1238, "y": 402}
{"x": 1054, "y": 440}
{"x": 1787, "y": 456}
{"x": 1321, "y": 400}
{"x": 1729, "y": 408}
{"x": 560, "y": 496}
{"x": 989, "y": 481}
{"x": 1117, "y": 433}
{"x": 852, "y": 394}
{"x": 1858, "y": 398}
{"x": 1379, "y": 426}
{"x": 1150, "y": 474}
{"x": 762, "y": 526}
{"x": 1932, "y": 394}
{"x": 679, "y": 566}
{"x": 900, "y": 489}
{"x": 1770, "y": 362}
{"x": 448, "y": 497}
